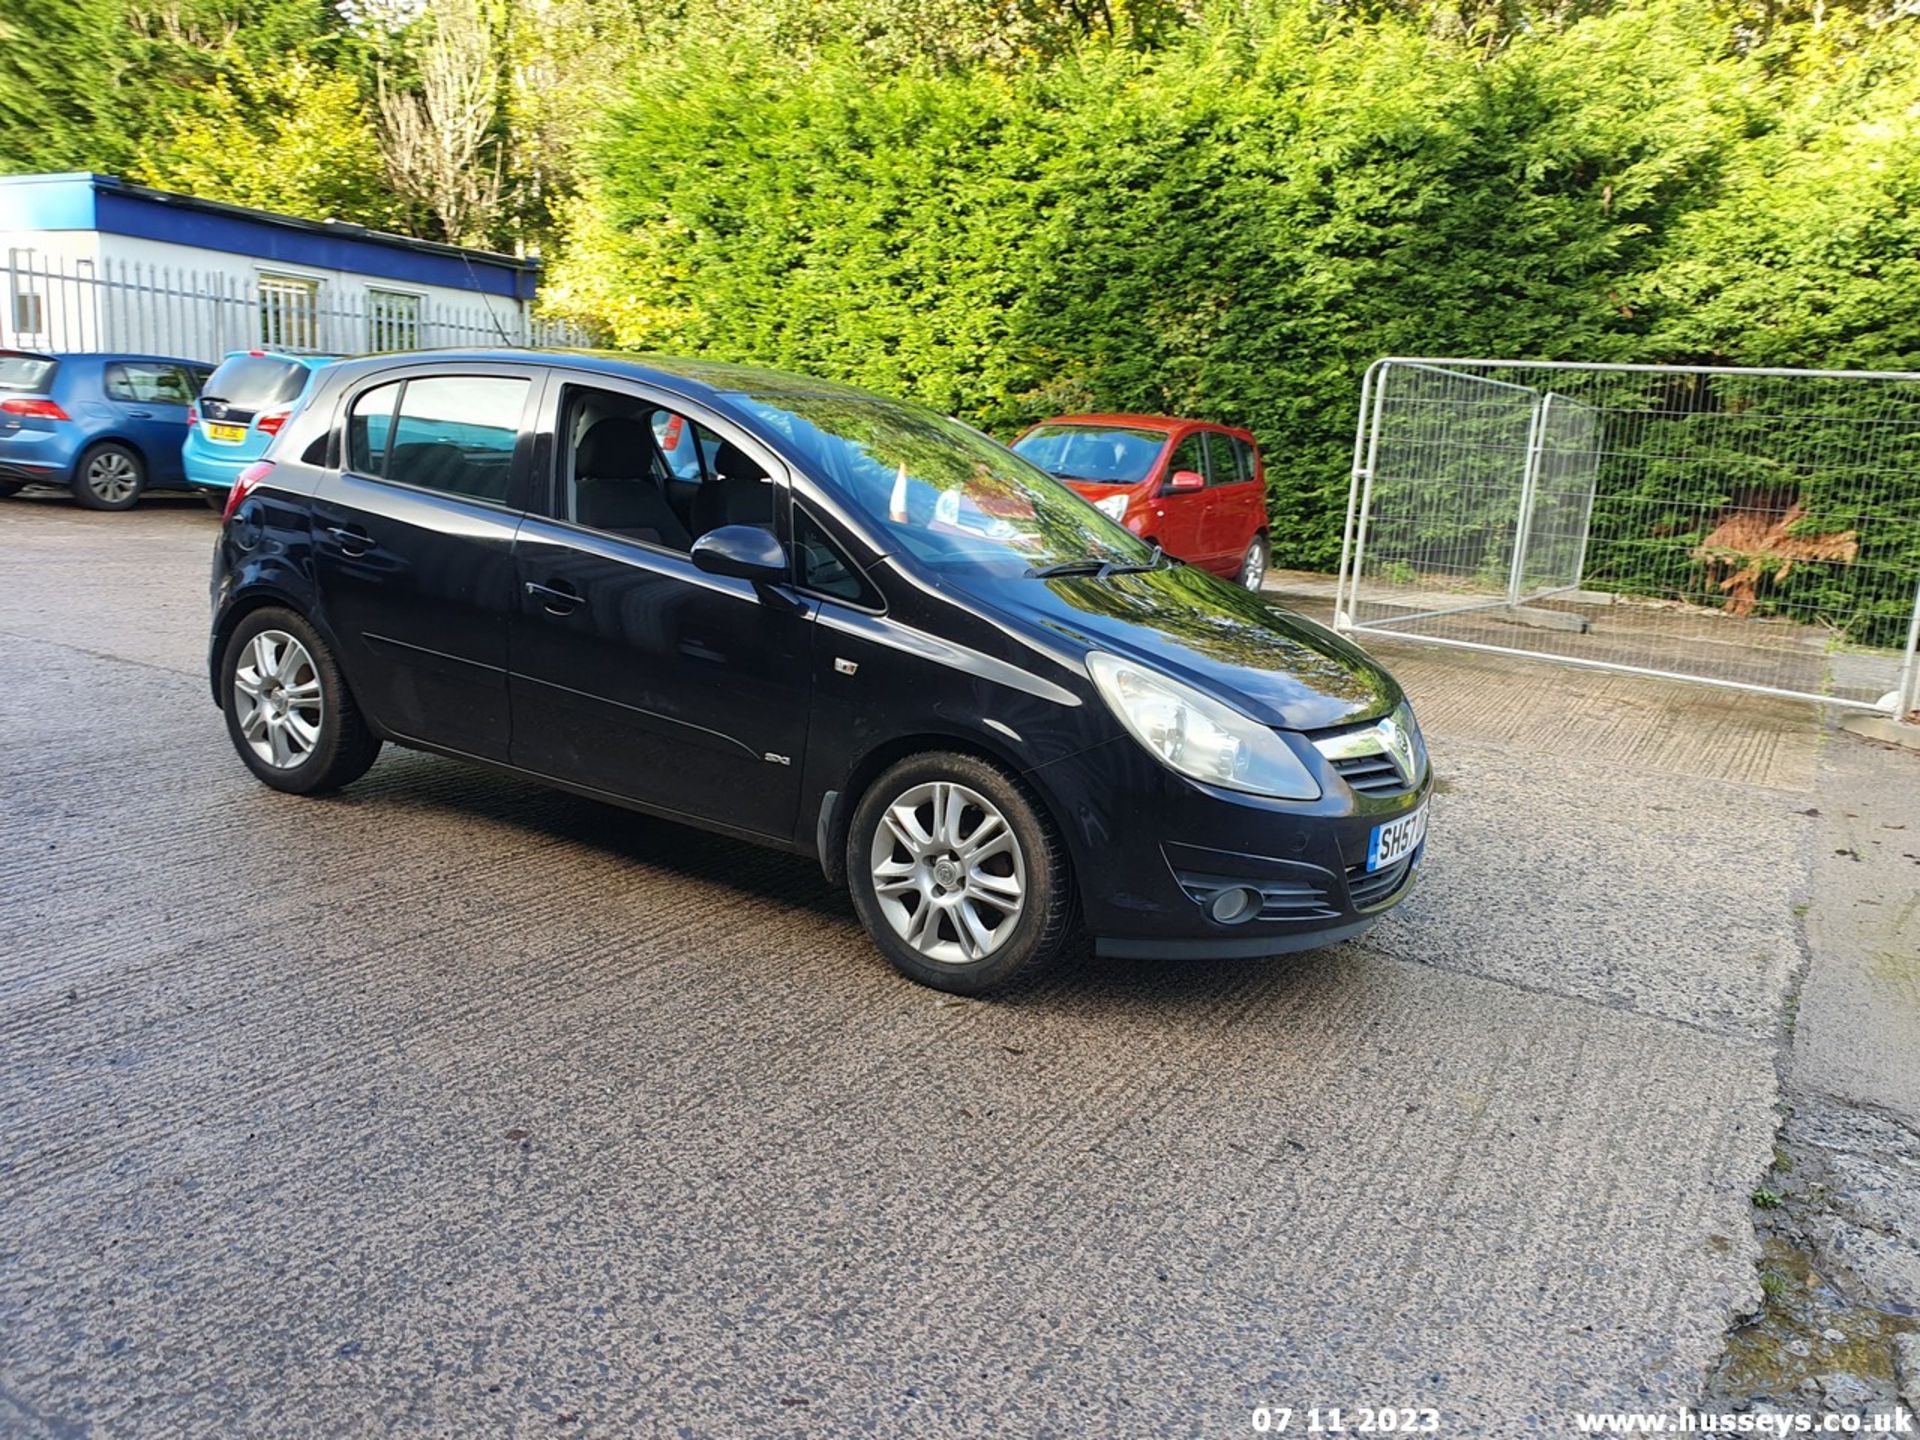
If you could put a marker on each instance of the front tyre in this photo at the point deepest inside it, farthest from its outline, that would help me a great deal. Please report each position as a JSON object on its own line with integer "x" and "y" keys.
{"x": 958, "y": 875}
{"x": 289, "y": 713}
{"x": 109, "y": 477}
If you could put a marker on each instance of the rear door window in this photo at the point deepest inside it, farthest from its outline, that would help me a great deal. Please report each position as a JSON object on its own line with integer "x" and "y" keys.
{"x": 1223, "y": 466}
{"x": 456, "y": 434}
{"x": 141, "y": 382}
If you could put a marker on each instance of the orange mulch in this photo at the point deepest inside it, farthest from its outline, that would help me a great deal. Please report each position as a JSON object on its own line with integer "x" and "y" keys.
{"x": 1753, "y": 545}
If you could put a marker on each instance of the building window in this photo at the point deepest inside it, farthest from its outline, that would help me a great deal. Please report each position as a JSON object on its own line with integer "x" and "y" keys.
{"x": 289, "y": 312}
{"x": 393, "y": 320}
{"x": 29, "y": 309}
{"x": 29, "y": 314}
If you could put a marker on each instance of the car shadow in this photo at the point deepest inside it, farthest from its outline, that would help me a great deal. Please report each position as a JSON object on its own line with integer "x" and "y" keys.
{"x": 429, "y": 782}
{"x": 1078, "y": 978}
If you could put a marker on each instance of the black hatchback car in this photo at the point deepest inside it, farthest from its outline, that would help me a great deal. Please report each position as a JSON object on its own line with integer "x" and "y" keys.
{"x": 819, "y": 620}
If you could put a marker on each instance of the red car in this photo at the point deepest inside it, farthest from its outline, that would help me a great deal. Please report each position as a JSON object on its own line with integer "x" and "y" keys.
{"x": 1199, "y": 490}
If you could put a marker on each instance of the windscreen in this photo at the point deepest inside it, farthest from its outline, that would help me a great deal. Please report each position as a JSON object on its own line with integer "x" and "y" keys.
{"x": 31, "y": 373}
{"x": 255, "y": 382}
{"x": 940, "y": 490}
{"x": 1105, "y": 454}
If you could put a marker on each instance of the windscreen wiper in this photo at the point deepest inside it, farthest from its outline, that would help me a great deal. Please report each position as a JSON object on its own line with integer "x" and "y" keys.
{"x": 1119, "y": 567}
{"x": 1099, "y": 569}
{"x": 1091, "y": 565}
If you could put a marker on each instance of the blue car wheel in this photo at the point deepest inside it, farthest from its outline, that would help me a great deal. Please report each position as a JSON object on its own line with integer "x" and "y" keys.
{"x": 109, "y": 476}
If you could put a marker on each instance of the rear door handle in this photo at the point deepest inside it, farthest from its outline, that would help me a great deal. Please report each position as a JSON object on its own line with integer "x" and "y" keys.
{"x": 560, "y": 599}
{"x": 141, "y": 414}
{"x": 353, "y": 541}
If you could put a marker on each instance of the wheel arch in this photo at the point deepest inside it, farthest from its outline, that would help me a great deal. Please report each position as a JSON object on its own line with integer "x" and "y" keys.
{"x": 831, "y": 834}
{"x": 263, "y": 595}
{"x": 94, "y": 442}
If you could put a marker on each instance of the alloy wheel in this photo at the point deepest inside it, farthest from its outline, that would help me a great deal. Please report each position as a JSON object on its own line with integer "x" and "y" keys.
{"x": 1253, "y": 569}
{"x": 113, "y": 477}
{"x": 277, "y": 695}
{"x": 948, "y": 872}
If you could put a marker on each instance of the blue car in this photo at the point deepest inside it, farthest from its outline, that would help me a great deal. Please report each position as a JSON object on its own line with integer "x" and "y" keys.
{"x": 251, "y": 395}
{"x": 106, "y": 427}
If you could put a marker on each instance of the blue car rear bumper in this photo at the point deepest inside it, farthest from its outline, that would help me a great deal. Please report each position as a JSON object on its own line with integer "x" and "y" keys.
{"x": 212, "y": 472}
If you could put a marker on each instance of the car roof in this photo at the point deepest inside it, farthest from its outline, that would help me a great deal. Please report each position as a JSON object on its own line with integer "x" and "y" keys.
{"x": 710, "y": 380}
{"x": 1128, "y": 421}
{"x": 1168, "y": 423}
{"x": 104, "y": 357}
{"x": 312, "y": 362}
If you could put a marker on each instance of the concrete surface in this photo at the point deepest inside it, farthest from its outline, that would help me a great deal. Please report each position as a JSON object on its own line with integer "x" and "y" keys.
{"x": 456, "y": 1106}
{"x": 1858, "y": 1036}
{"x": 1885, "y": 729}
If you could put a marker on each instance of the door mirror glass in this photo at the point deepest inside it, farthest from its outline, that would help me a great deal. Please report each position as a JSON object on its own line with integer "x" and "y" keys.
{"x": 1184, "y": 480}
{"x": 746, "y": 552}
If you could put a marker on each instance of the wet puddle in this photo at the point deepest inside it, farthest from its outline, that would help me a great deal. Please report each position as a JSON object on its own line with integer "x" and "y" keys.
{"x": 1805, "y": 1332}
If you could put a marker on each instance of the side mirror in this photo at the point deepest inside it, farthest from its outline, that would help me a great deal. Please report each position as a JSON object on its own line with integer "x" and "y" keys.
{"x": 1184, "y": 480}
{"x": 746, "y": 552}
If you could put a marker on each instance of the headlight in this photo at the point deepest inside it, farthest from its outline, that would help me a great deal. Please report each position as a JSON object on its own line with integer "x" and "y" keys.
{"x": 1114, "y": 506}
{"x": 1410, "y": 727}
{"x": 1198, "y": 736}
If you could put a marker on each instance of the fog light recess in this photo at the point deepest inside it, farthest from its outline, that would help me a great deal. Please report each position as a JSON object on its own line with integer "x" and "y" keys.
{"x": 1230, "y": 907}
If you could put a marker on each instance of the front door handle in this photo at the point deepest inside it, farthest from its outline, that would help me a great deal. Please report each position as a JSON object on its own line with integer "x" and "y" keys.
{"x": 353, "y": 540}
{"x": 560, "y": 599}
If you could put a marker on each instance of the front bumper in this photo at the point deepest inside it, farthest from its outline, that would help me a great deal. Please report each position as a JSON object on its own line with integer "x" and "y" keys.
{"x": 1153, "y": 850}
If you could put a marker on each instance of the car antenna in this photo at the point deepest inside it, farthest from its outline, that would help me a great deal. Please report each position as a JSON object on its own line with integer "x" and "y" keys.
{"x": 485, "y": 304}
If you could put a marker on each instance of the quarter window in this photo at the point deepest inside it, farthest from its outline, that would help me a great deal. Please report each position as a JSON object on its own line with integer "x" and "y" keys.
{"x": 824, "y": 568}
{"x": 393, "y": 320}
{"x": 1243, "y": 453}
{"x": 369, "y": 427}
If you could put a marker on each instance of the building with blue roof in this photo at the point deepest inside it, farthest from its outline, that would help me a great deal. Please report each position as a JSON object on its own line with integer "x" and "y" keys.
{"x": 95, "y": 263}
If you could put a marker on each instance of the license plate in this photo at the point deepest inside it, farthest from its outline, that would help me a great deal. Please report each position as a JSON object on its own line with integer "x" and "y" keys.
{"x": 226, "y": 434}
{"x": 1396, "y": 839}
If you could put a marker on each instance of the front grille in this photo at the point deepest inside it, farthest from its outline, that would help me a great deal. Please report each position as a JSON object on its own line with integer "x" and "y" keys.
{"x": 1367, "y": 891}
{"x": 1279, "y": 899}
{"x": 1372, "y": 775}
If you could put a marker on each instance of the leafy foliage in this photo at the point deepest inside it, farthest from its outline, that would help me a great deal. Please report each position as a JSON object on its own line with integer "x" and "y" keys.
{"x": 1235, "y": 225}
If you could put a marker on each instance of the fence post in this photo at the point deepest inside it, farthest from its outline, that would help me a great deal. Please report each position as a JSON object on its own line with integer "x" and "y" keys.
{"x": 1529, "y": 487}
{"x": 1907, "y": 693}
{"x": 1344, "y": 618}
{"x": 1354, "y": 477}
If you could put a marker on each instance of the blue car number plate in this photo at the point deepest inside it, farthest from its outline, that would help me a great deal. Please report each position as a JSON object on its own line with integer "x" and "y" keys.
{"x": 1396, "y": 839}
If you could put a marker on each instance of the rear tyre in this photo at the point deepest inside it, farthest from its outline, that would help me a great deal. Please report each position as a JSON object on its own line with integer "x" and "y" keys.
{"x": 10, "y": 488}
{"x": 1253, "y": 565}
{"x": 958, "y": 874}
{"x": 289, "y": 713}
{"x": 216, "y": 500}
{"x": 109, "y": 477}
